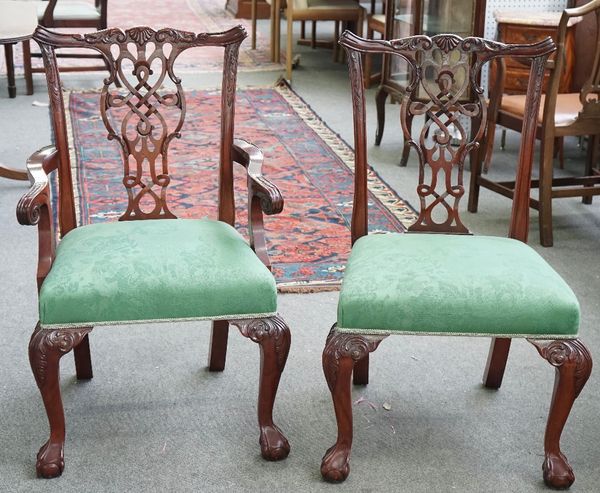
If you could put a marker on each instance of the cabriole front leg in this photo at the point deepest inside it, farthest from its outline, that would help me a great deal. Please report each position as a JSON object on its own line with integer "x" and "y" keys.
{"x": 273, "y": 336}
{"x": 342, "y": 351}
{"x": 573, "y": 364}
{"x": 46, "y": 347}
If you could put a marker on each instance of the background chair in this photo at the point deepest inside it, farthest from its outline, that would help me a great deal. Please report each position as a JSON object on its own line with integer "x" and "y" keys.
{"x": 437, "y": 279}
{"x": 82, "y": 14}
{"x": 345, "y": 11}
{"x": 561, "y": 115}
{"x": 150, "y": 266}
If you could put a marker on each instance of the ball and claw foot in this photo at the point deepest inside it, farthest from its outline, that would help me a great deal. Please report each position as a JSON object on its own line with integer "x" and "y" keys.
{"x": 273, "y": 445}
{"x": 50, "y": 460}
{"x": 558, "y": 474}
{"x": 335, "y": 465}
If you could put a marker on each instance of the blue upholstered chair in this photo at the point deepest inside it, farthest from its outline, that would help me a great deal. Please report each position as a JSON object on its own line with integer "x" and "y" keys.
{"x": 438, "y": 279}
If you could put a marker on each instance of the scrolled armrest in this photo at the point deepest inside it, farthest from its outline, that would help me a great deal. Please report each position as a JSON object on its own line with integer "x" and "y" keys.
{"x": 38, "y": 165}
{"x": 35, "y": 208}
{"x": 251, "y": 158}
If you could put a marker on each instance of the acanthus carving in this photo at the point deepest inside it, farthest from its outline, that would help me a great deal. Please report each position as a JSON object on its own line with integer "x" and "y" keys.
{"x": 567, "y": 352}
{"x": 341, "y": 345}
{"x": 270, "y": 329}
{"x": 45, "y": 342}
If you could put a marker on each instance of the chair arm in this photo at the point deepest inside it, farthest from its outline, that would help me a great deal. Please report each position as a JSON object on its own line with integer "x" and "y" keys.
{"x": 263, "y": 196}
{"x": 34, "y": 208}
{"x": 251, "y": 158}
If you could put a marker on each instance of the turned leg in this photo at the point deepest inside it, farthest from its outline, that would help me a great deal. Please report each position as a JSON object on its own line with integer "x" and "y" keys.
{"x": 83, "y": 359}
{"x": 342, "y": 351}
{"x": 273, "y": 336}
{"x": 218, "y": 345}
{"x": 573, "y": 364}
{"x": 10, "y": 70}
{"x": 496, "y": 363}
{"x": 380, "y": 98}
{"x": 27, "y": 66}
{"x": 46, "y": 347}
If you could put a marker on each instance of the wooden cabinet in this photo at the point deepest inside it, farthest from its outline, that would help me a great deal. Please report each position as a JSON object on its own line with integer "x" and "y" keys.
{"x": 519, "y": 26}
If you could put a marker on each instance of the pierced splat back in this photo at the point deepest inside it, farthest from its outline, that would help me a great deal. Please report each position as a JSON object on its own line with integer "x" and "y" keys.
{"x": 145, "y": 114}
{"x": 444, "y": 71}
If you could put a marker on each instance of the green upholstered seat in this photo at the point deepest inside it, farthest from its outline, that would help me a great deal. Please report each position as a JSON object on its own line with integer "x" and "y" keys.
{"x": 451, "y": 284}
{"x": 168, "y": 269}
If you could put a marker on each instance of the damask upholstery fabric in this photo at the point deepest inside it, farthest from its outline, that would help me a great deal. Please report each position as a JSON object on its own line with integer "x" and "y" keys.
{"x": 428, "y": 283}
{"x": 165, "y": 269}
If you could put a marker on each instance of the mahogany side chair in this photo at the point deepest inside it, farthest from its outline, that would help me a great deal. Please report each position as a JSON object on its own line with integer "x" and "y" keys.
{"x": 150, "y": 266}
{"x": 561, "y": 115}
{"x": 437, "y": 279}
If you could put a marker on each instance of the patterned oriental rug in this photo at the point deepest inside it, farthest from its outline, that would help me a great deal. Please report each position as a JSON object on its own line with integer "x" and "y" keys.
{"x": 309, "y": 241}
{"x": 189, "y": 15}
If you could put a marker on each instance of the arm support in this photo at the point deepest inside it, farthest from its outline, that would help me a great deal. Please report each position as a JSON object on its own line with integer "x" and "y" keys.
{"x": 34, "y": 207}
{"x": 263, "y": 196}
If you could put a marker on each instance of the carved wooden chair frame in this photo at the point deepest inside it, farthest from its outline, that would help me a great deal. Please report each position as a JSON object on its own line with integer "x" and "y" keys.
{"x": 346, "y": 353}
{"x": 47, "y": 346}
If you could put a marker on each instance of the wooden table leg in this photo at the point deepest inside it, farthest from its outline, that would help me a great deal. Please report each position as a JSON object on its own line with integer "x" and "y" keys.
{"x": 10, "y": 70}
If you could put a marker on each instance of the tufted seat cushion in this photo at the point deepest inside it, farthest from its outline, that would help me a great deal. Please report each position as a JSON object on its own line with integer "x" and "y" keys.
{"x": 71, "y": 11}
{"x": 169, "y": 269}
{"x": 451, "y": 284}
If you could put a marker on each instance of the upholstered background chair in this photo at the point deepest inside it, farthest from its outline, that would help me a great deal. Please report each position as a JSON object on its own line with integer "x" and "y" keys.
{"x": 150, "y": 266}
{"x": 437, "y": 279}
{"x": 561, "y": 115}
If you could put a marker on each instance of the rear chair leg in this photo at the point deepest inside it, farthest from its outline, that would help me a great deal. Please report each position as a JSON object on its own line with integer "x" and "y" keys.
{"x": 83, "y": 359}
{"x": 342, "y": 351}
{"x": 218, "y": 345}
{"x": 273, "y": 336}
{"x": 573, "y": 364}
{"x": 496, "y": 363}
{"x": 46, "y": 347}
{"x": 360, "y": 375}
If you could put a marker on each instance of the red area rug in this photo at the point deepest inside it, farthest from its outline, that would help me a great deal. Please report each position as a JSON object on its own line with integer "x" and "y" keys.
{"x": 309, "y": 241}
{"x": 189, "y": 15}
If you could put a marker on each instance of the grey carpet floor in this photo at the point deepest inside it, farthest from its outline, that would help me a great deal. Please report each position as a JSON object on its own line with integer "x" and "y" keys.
{"x": 153, "y": 418}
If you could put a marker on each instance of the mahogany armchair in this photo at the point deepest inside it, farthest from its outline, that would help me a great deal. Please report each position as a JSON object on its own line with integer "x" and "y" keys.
{"x": 437, "y": 279}
{"x": 149, "y": 266}
{"x": 561, "y": 115}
